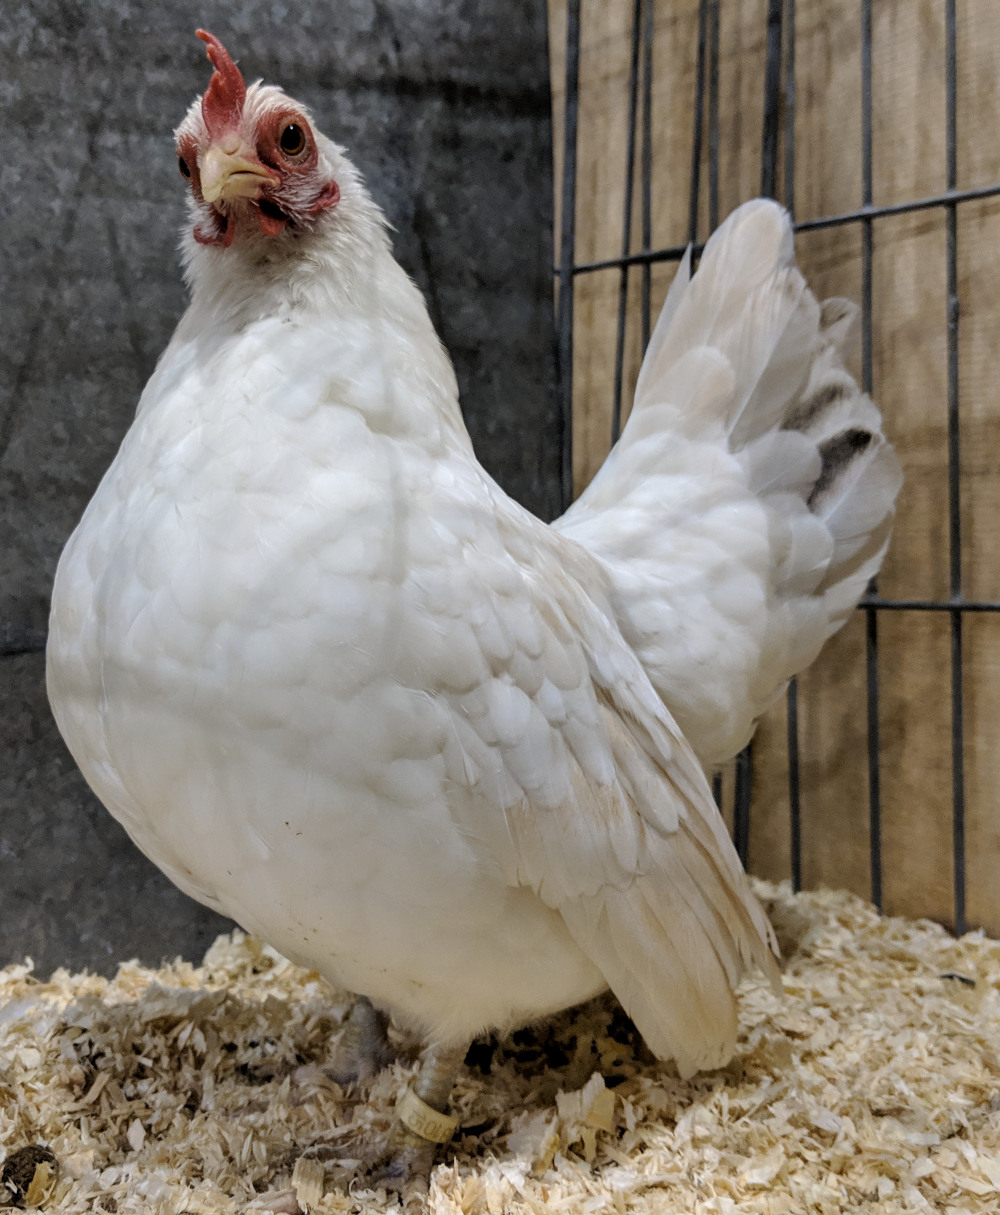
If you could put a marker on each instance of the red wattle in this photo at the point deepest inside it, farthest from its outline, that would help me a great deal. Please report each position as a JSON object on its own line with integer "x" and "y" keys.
{"x": 329, "y": 197}
{"x": 270, "y": 225}
{"x": 222, "y": 232}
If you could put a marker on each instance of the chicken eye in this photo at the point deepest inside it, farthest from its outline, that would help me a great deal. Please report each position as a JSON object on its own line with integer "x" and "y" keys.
{"x": 293, "y": 139}
{"x": 182, "y": 164}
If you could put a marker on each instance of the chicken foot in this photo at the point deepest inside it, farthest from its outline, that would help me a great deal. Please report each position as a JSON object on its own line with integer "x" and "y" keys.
{"x": 363, "y": 1050}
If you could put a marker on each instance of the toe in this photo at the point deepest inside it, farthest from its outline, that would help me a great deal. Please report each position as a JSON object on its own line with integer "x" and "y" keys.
{"x": 405, "y": 1171}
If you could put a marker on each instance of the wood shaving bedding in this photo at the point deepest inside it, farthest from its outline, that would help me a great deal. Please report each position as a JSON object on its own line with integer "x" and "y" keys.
{"x": 873, "y": 1085}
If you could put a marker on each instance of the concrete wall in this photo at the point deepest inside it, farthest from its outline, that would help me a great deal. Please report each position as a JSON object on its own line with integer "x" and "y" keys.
{"x": 444, "y": 104}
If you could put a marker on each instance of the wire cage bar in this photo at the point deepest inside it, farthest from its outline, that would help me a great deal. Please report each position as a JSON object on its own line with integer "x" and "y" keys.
{"x": 777, "y": 179}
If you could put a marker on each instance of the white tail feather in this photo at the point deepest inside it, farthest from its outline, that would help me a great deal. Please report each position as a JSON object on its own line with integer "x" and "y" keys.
{"x": 751, "y": 495}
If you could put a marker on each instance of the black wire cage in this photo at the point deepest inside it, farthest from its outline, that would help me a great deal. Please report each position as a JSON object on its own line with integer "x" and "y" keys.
{"x": 779, "y": 85}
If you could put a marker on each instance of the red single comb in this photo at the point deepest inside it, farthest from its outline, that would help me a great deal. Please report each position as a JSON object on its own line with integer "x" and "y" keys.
{"x": 222, "y": 104}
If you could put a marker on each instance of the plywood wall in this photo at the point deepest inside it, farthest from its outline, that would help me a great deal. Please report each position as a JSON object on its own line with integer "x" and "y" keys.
{"x": 909, "y": 370}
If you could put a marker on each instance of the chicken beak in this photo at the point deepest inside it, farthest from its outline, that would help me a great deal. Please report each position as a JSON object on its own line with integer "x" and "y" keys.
{"x": 226, "y": 174}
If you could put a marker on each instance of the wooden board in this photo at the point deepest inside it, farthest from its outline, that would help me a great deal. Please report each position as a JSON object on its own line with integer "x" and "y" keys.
{"x": 910, "y": 383}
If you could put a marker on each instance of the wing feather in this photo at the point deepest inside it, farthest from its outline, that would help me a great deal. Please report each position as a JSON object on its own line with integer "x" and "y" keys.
{"x": 629, "y": 848}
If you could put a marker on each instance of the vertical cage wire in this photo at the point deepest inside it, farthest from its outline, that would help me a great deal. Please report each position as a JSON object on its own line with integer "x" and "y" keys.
{"x": 954, "y": 476}
{"x": 699, "y": 112}
{"x": 792, "y": 697}
{"x": 633, "y": 102}
{"x": 648, "y": 25}
{"x": 778, "y": 163}
{"x": 713, "y": 114}
{"x": 871, "y": 616}
{"x": 567, "y": 252}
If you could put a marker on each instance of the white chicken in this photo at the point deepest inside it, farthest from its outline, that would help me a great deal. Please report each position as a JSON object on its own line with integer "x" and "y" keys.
{"x": 337, "y": 685}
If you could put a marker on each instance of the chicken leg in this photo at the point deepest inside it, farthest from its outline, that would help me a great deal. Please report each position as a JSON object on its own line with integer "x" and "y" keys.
{"x": 421, "y": 1121}
{"x": 364, "y": 1047}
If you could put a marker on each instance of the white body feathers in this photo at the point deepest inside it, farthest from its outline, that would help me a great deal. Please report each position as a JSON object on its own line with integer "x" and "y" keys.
{"x": 338, "y": 685}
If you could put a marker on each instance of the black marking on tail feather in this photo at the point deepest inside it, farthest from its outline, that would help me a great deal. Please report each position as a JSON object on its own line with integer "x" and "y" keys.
{"x": 836, "y": 454}
{"x": 809, "y": 411}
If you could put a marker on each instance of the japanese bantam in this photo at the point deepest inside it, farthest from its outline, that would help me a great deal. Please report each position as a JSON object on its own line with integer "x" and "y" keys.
{"x": 339, "y": 686}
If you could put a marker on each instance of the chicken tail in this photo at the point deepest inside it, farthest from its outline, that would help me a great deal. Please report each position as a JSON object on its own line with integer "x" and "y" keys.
{"x": 751, "y": 496}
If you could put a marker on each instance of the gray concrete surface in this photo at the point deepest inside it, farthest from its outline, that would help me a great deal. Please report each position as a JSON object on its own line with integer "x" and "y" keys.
{"x": 444, "y": 105}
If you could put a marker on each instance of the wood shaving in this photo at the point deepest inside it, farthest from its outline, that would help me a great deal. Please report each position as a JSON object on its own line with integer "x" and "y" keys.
{"x": 873, "y": 1085}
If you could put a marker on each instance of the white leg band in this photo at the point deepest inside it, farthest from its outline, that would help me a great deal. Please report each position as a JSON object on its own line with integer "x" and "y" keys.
{"x": 423, "y": 1120}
